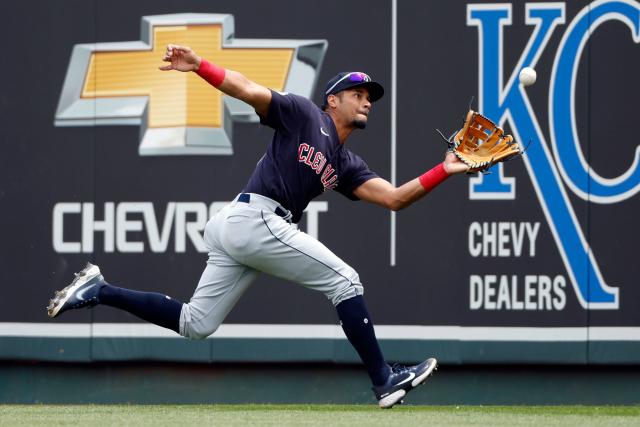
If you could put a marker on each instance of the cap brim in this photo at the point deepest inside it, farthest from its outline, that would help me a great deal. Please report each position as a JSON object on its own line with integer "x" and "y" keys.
{"x": 376, "y": 91}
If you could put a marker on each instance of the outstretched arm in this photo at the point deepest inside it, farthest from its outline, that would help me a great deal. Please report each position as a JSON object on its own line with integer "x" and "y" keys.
{"x": 383, "y": 193}
{"x": 232, "y": 83}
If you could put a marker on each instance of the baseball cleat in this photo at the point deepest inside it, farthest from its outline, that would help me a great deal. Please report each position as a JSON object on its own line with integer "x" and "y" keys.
{"x": 402, "y": 380}
{"x": 82, "y": 292}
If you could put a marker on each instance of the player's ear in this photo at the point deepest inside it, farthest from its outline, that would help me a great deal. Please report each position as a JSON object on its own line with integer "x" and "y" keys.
{"x": 332, "y": 101}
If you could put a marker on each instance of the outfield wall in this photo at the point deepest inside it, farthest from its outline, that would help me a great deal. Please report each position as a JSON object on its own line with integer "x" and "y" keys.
{"x": 196, "y": 383}
{"x": 106, "y": 159}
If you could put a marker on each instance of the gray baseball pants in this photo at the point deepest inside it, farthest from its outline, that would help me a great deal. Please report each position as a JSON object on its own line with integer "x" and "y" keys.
{"x": 245, "y": 239}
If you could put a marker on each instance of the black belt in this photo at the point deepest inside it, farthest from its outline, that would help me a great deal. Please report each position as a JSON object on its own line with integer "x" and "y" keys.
{"x": 246, "y": 198}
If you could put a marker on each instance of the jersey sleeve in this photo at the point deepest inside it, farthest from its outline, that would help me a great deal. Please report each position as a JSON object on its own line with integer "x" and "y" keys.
{"x": 355, "y": 172}
{"x": 287, "y": 112}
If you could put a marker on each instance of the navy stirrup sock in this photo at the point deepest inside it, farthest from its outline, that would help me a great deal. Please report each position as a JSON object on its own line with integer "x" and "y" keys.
{"x": 150, "y": 306}
{"x": 358, "y": 327}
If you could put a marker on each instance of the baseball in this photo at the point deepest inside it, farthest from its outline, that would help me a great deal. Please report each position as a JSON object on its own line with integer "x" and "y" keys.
{"x": 527, "y": 76}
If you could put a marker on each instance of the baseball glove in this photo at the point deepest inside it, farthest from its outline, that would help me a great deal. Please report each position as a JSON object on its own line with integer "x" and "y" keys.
{"x": 481, "y": 144}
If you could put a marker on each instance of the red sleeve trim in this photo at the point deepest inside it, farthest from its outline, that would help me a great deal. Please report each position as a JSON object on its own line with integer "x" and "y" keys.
{"x": 212, "y": 73}
{"x": 432, "y": 178}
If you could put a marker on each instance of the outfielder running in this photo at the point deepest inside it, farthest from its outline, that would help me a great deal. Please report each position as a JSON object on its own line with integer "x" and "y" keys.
{"x": 257, "y": 232}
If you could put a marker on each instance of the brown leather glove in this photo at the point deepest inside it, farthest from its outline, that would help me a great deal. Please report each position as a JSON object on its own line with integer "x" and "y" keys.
{"x": 481, "y": 144}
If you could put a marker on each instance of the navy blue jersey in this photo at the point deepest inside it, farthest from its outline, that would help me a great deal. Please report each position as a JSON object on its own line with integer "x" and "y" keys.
{"x": 305, "y": 157}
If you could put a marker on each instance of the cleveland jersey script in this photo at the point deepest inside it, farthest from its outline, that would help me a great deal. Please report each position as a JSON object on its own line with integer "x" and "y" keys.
{"x": 305, "y": 157}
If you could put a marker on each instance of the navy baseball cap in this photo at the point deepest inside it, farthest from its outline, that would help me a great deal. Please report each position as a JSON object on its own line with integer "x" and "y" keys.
{"x": 349, "y": 79}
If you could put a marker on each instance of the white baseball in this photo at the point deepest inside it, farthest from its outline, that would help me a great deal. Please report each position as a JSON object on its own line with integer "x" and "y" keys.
{"x": 527, "y": 76}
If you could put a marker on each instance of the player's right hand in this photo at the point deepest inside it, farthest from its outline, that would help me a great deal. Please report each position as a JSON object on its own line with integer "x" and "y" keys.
{"x": 180, "y": 58}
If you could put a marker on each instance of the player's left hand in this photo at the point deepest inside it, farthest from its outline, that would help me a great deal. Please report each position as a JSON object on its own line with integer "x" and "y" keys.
{"x": 453, "y": 165}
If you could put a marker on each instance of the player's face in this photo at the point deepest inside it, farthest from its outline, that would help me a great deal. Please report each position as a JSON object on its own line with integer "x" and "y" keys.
{"x": 355, "y": 106}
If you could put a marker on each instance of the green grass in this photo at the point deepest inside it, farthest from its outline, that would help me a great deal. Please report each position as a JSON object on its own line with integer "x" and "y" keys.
{"x": 315, "y": 415}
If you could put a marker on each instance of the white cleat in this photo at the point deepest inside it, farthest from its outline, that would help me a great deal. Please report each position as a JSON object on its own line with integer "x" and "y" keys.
{"x": 82, "y": 292}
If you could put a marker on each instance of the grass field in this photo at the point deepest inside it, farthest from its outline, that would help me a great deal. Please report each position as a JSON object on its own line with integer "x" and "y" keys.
{"x": 316, "y": 415}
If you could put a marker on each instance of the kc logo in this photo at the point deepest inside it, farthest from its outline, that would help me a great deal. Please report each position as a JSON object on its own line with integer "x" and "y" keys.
{"x": 179, "y": 113}
{"x": 509, "y": 101}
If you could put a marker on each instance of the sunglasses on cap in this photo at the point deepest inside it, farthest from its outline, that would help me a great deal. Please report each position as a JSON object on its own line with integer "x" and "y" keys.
{"x": 356, "y": 77}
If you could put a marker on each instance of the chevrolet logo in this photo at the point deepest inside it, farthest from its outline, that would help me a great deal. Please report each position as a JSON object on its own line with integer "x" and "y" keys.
{"x": 179, "y": 113}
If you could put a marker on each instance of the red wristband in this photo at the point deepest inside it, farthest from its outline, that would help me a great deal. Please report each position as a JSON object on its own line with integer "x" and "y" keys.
{"x": 211, "y": 73}
{"x": 430, "y": 179}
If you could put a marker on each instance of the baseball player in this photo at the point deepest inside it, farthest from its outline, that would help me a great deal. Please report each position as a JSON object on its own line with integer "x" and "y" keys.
{"x": 257, "y": 232}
